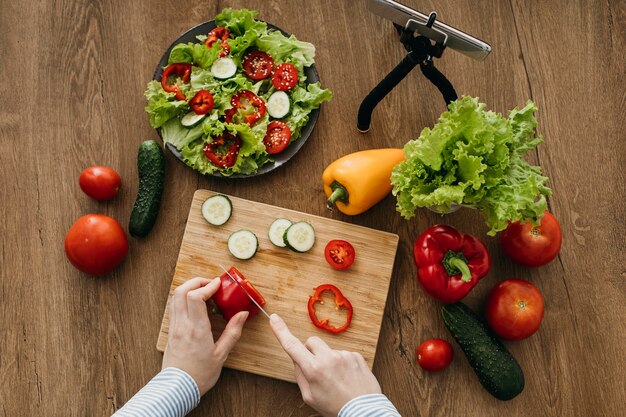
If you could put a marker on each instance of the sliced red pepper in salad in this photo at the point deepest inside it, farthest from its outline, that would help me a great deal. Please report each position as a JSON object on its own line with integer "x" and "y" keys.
{"x": 340, "y": 302}
{"x": 202, "y": 102}
{"x": 449, "y": 263}
{"x": 231, "y": 299}
{"x": 180, "y": 69}
{"x": 219, "y": 34}
{"x": 247, "y": 107}
{"x": 223, "y": 150}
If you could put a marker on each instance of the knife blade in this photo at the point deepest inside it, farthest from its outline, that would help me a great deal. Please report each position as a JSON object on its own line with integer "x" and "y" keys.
{"x": 245, "y": 291}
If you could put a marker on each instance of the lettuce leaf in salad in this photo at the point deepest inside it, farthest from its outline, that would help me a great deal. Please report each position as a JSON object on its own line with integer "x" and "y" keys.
{"x": 194, "y": 53}
{"x": 180, "y": 136}
{"x": 162, "y": 106}
{"x": 240, "y": 21}
{"x": 474, "y": 157}
{"x": 282, "y": 48}
{"x": 303, "y": 100}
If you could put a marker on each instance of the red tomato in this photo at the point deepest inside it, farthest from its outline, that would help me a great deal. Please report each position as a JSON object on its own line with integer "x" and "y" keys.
{"x": 202, "y": 102}
{"x": 533, "y": 245}
{"x": 434, "y": 355}
{"x": 339, "y": 254}
{"x": 258, "y": 65}
{"x": 285, "y": 76}
{"x": 101, "y": 183}
{"x": 96, "y": 244}
{"x": 277, "y": 137}
{"x": 514, "y": 309}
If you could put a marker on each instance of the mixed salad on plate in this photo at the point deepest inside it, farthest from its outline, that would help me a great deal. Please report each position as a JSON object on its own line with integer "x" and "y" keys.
{"x": 236, "y": 97}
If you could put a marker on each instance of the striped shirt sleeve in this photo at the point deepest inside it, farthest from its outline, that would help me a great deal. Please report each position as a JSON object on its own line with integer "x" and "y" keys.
{"x": 171, "y": 393}
{"x": 371, "y": 405}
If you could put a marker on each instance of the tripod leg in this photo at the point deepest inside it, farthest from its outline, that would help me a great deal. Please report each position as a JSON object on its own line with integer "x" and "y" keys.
{"x": 382, "y": 89}
{"x": 440, "y": 81}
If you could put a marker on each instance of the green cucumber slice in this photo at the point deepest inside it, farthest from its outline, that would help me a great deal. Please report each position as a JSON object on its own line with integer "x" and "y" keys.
{"x": 300, "y": 237}
{"x": 223, "y": 68}
{"x": 217, "y": 209}
{"x": 191, "y": 119}
{"x": 277, "y": 231}
{"x": 278, "y": 105}
{"x": 243, "y": 244}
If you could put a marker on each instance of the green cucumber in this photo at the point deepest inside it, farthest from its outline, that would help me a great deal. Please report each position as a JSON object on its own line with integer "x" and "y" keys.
{"x": 243, "y": 244}
{"x": 217, "y": 209}
{"x": 299, "y": 237}
{"x": 496, "y": 368}
{"x": 151, "y": 167}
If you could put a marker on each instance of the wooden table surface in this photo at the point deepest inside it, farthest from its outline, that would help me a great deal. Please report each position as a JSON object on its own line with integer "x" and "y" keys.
{"x": 72, "y": 96}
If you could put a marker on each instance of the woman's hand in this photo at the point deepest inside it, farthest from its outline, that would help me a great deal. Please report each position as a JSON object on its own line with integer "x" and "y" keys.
{"x": 190, "y": 345}
{"x": 327, "y": 378}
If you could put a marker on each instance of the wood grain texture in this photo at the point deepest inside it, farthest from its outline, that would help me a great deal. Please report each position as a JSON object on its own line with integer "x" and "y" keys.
{"x": 74, "y": 73}
{"x": 284, "y": 278}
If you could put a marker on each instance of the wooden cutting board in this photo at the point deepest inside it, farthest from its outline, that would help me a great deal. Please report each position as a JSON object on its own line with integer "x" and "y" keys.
{"x": 286, "y": 279}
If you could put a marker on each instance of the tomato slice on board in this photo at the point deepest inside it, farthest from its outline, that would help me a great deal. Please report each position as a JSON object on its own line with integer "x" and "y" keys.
{"x": 285, "y": 77}
{"x": 223, "y": 150}
{"x": 258, "y": 65}
{"x": 339, "y": 254}
{"x": 202, "y": 102}
{"x": 219, "y": 34}
{"x": 277, "y": 137}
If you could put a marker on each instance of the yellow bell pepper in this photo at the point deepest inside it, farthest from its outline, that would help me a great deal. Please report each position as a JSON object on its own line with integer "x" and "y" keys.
{"x": 357, "y": 181}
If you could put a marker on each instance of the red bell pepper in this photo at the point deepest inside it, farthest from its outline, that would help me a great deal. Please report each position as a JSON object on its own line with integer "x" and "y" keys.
{"x": 223, "y": 150}
{"x": 340, "y": 302}
{"x": 219, "y": 34}
{"x": 449, "y": 262}
{"x": 181, "y": 69}
{"x": 247, "y": 107}
{"x": 230, "y": 299}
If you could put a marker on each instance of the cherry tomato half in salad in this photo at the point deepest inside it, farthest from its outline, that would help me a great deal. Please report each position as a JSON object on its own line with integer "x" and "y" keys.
{"x": 339, "y": 254}
{"x": 258, "y": 65}
{"x": 219, "y": 34}
{"x": 100, "y": 183}
{"x": 202, "y": 102}
{"x": 223, "y": 150}
{"x": 514, "y": 309}
{"x": 434, "y": 355}
{"x": 285, "y": 77}
{"x": 533, "y": 245}
{"x": 277, "y": 137}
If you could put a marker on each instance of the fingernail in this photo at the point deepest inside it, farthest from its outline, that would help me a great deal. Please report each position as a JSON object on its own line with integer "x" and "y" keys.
{"x": 244, "y": 316}
{"x": 274, "y": 318}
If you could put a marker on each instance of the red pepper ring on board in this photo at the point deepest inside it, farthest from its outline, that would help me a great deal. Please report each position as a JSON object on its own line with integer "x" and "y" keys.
{"x": 182, "y": 70}
{"x": 247, "y": 107}
{"x": 449, "y": 263}
{"x": 340, "y": 302}
{"x": 230, "y": 299}
{"x": 219, "y": 34}
{"x": 223, "y": 150}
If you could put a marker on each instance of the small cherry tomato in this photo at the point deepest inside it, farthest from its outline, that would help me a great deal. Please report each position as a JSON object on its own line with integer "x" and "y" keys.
{"x": 434, "y": 355}
{"x": 100, "y": 182}
{"x": 96, "y": 244}
{"x": 258, "y": 65}
{"x": 339, "y": 254}
{"x": 202, "y": 102}
{"x": 277, "y": 137}
{"x": 514, "y": 309}
{"x": 533, "y": 245}
{"x": 285, "y": 76}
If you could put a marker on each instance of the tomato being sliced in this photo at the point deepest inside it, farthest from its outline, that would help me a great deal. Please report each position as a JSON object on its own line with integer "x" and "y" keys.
{"x": 223, "y": 150}
{"x": 339, "y": 254}
{"x": 533, "y": 245}
{"x": 514, "y": 309}
{"x": 202, "y": 102}
{"x": 258, "y": 65}
{"x": 285, "y": 76}
{"x": 434, "y": 355}
{"x": 277, "y": 137}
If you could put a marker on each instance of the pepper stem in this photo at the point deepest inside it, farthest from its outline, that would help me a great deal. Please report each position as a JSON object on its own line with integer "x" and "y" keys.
{"x": 339, "y": 194}
{"x": 455, "y": 263}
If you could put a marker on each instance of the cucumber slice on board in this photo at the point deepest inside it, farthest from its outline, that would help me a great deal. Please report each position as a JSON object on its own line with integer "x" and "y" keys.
{"x": 243, "y": 244}
{"x": 300, "y": 237}
{"x": 223, "y": 68}
{"x": 278, "y": 105}
{"x": 277, "y": 231}
{"x": 217, "y": 209}
{"x": 191, "y": 119}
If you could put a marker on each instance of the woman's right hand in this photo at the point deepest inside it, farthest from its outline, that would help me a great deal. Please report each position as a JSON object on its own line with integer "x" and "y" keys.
{"x": 327, "y": 378}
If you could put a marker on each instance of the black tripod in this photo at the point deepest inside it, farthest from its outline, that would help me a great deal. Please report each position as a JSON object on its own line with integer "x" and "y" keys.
{"x": 423, "y": 43}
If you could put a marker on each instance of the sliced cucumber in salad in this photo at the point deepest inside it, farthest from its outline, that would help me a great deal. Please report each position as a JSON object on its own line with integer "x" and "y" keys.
{"x": 299, "y": 237}
{"x": 278, "y": 105}
{"x": 224, "y": 68}
{"x": 243, "y": 244}
{"x": 191, "y": 119}
{"x": 217, "y": 209}
{"x": 277, "y": 232}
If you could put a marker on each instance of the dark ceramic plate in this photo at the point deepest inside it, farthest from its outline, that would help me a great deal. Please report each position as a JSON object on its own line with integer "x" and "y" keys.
{"x": 281, "y": 158}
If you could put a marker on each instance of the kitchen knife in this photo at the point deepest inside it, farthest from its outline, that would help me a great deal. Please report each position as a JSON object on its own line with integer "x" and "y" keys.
{"x": 245, "y": 291}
